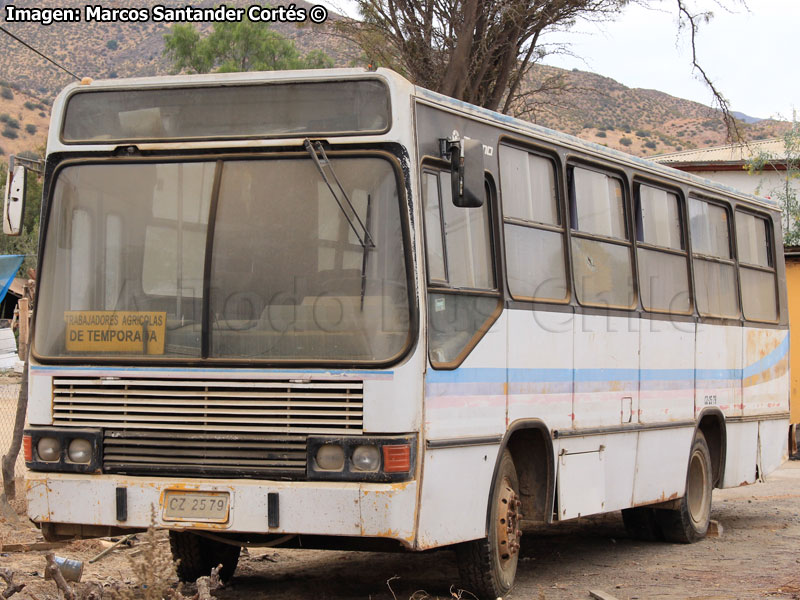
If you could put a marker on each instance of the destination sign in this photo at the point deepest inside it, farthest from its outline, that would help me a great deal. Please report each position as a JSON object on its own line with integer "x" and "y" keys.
{"x": 129, "y": 332}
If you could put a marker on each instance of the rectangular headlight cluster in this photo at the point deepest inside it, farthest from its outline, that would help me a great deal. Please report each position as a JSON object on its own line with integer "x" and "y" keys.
{"x": 58, "y": 449}
{"x": 374, "y": 459}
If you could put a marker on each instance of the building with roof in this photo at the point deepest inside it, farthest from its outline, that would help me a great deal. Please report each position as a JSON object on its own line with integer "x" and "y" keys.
{"x": 728, "y": 165}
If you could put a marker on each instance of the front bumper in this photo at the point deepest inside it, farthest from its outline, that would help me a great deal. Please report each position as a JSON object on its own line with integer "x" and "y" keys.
{"x": 377, "y": 510}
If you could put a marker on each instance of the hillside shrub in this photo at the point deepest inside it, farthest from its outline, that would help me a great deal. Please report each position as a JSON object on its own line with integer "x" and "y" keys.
{"x": 10, "y": 133}
{"x": 30, "y": 128}
{"x": 30, "y": 105}
{"x": 112, "y": 44}
{"x": 625, "y": 141}
{"x": 2, "y": 151}
{"x": 642, "y": 133}
{"x": 42, "y": 114}
{"x": 4, "y": 117}
{"x": 651, "y": 144}
{"x": 601, "y": 134}
{"x": 6, "y": 93}
{"x": 12, "y": 123}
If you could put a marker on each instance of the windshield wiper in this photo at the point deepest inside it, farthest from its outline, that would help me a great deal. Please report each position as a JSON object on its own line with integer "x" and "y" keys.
{"x": 322, "y": 162}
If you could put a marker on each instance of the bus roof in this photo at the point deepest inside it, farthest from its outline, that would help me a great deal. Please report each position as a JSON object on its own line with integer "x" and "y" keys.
{"x": 398, "y": 85}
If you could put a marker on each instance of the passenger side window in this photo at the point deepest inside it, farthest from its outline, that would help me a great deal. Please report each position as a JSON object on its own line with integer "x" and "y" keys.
{"x": 661, "y": 251}
{"x": 756, "y": 267}
{"x": 601, "y": 254}
{"x": 534, "y": 230}
{"x": 714, "y": 269}
{"x": 463, "y": 301}
{"x": 458, "y": 239}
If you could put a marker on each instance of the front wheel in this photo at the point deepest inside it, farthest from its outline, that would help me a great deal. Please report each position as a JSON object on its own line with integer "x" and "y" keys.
{"x": 488, "y": 566}
{"x": 689, "y": 522}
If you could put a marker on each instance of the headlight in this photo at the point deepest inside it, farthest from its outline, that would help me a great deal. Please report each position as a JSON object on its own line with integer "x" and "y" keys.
{"x": 80, "y": 451}
{"x": 49, "y": 449}
{"x": 366, "y": 458}
{"x": 330, "y": 457}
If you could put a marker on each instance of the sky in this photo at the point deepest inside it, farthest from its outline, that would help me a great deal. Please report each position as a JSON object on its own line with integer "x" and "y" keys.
{"x": 746, "y": 51}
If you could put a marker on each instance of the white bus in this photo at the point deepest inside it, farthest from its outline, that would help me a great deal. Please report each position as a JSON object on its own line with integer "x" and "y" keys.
{"x": 330, "y": 309}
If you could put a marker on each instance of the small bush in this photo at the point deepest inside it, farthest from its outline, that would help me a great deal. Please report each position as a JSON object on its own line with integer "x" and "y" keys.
{"x": 112, "y": 44}
{"x": 30, "y": 128}
{"x": 601, "y": 134}
{"x": 42, "y": 114}
{"x": 30, "y": 105}
{"x": 2, "y": 151}
{"x": 13, "y": 123}
{"x": 7, "y": 93}
{"x": 4, "y": 117}
{"x": 113, "y": 75}
{"x": 651, "y": 144}
{"x": 625, "y": 141}
{"x": 10, "y": 133}
{"x": 642, "y": 133}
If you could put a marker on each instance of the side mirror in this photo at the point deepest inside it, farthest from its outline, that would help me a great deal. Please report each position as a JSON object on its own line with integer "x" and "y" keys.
{"x": 466, "y": 173}
{"x": 14, "y": 202}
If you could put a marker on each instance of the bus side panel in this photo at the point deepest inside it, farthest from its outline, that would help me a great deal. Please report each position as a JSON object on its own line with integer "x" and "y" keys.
{"x": 666, "y": 392}
{"x": 773, "y": 448}
{"x": 661, "y": 461}
{"x": 741, "y": 453}
{"x": 719, "y": 365}
{"x": 594, "y": 474}
{"x": 470, "y": 400}
{"x": 467, "y": 402}
{"x": 765, "y": 378}
{"x": 540, "y": 367}
{"x": 606, "y": 371}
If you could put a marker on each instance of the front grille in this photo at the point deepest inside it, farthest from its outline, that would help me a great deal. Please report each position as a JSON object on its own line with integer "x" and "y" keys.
{"x": 191, "y": 427}
{"x": 224, "y": 455}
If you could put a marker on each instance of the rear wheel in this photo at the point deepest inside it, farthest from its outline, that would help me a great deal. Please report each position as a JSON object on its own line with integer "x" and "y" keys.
{"x": 488, "y": 566}
{"x": 197, "y": 555}
{"x": 689, "y": 522}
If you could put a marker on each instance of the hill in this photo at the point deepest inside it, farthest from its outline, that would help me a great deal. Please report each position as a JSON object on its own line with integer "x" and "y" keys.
{"x": 596, "y": 108}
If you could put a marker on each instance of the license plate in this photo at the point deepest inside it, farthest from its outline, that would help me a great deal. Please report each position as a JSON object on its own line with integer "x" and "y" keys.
{"x": 210, "y": 507}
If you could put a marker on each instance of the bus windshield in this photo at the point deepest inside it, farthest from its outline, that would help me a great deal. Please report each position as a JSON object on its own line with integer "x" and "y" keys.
{"x": 235, "y": 259}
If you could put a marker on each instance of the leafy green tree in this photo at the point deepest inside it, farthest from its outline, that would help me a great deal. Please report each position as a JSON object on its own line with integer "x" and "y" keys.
{"x": 786, "y": 164}
{"x": 237, "y": 46}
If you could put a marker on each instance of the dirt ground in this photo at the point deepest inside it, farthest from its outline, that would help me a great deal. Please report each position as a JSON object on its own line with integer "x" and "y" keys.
{"x": 757, "y": 556}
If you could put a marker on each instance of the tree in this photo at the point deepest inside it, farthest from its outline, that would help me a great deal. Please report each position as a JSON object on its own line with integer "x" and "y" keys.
{"x": 237, "y": 46}
{"x": 786, "y": 165}
{"x": 481, "y": 51}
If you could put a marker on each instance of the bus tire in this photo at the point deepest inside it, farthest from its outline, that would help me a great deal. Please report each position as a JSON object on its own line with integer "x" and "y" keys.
{"x": 641, "y": 524}
{"x": 196, "y": 556}
{"x": 488, "y": 566}
{"x": 689, "y": 522}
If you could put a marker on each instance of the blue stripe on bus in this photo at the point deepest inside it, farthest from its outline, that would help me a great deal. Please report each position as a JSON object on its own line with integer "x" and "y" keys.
{"x": 516, "y": 376}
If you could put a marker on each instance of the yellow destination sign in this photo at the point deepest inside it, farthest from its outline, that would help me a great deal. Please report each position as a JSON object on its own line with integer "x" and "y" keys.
{"x": 129, "y": 332}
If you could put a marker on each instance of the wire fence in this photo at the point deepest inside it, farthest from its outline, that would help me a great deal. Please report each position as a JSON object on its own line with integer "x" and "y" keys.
{"x": 9, "y": 393}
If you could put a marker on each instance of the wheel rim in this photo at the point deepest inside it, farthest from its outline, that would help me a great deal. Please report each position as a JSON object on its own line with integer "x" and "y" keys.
{"x": 697, "y": 492}
{"x": 508, "y": 520}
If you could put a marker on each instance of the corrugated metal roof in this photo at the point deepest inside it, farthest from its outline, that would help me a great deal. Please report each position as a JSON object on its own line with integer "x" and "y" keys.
{"x": 732, "y": 153}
